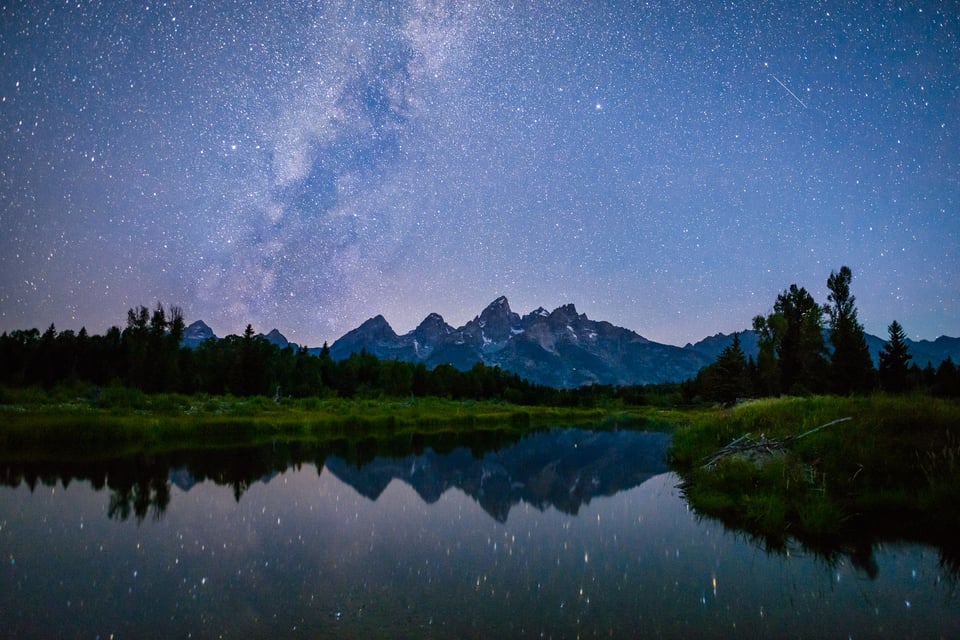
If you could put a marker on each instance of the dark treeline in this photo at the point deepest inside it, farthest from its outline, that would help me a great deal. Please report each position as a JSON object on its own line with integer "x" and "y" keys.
{"x": 808, "y": 348}
{"x": 147, "y": 356}
{"x": 804, "y": 348}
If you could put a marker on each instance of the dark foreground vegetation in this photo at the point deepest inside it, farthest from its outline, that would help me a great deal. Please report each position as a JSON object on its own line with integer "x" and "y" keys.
{"x": 892, "y": 470}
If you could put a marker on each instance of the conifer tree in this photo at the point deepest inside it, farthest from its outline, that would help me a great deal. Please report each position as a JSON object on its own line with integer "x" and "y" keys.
{"x": 893, "y": 360}
{"x": 851, "y": 368}
{"x": 729, "y": 375}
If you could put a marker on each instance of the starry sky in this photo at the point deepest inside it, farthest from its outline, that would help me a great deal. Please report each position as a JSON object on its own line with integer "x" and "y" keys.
{"x": 667, "y": 166}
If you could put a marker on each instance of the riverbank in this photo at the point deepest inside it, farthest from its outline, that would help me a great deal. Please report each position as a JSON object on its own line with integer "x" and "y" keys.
{"x": 892, "y": 468}
{"x": 73, "y": 422}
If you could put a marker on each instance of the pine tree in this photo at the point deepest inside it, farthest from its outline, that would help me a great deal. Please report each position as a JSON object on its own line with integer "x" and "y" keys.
{"x": 893, "y": 360}
{"x": 730, "y": 379}
{"x": 850, "y": 365}
{"x": 947, "y": 379}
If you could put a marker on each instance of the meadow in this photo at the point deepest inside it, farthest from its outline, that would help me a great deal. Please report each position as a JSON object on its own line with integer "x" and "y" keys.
{"x": 91, "y": 421}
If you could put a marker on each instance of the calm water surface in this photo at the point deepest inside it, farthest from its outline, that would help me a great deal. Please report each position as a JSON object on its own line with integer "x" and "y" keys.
{"x": 562, "y": 534}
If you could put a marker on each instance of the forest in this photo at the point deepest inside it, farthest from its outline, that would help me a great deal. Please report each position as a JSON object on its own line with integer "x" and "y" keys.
{"x": 805, "y": 348}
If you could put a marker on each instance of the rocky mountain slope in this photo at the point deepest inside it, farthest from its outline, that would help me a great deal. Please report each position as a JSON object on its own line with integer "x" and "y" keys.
{"x": 559, "y": 348}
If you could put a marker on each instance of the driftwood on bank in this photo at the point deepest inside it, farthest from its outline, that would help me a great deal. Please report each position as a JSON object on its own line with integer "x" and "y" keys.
{"x": 763, "y": 446}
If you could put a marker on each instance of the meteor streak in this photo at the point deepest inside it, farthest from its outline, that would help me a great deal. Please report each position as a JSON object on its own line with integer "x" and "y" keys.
{"x": 788, "y": 90}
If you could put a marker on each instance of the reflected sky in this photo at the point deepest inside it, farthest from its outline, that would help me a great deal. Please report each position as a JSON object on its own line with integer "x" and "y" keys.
{"x": 305, "y": 553}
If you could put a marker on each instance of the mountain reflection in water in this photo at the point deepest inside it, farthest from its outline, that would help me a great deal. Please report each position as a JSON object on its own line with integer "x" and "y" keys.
{"x": 563, "y": 469}
{"x": 560, "y": 469}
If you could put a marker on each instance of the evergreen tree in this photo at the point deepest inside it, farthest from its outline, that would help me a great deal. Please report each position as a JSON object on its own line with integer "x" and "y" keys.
{"x": 893, "y": 360}
{"x": 328, "y": 375}
{"x": 47, "y": 363}
{"x": 171, "y": 352}
{"x": 850, "y": 365}
{"x": 136, "y": 346}
{"x": 947, "y": 379}
{"x": 728, "y": 378}
{"x": 792, "y": 352}
{"x": 252, "y": 365}
{"x": 156, "y": 361}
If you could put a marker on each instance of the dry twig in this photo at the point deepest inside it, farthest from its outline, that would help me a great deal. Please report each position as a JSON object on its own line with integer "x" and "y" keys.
{"x": 763, "y": 446}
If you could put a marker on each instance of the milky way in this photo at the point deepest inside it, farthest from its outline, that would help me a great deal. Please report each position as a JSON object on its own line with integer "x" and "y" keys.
{"x": 667, "y": 166}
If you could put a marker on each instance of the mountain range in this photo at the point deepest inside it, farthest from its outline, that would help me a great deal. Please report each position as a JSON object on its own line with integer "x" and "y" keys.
{"x": 560, "y": 348}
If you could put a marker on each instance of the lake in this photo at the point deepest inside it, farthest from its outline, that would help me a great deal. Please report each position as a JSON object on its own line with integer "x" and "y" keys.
{"x": 559, "y": 534}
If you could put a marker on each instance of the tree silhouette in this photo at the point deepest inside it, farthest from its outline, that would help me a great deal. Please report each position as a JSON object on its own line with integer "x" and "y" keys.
{"x": 791, "y": 344}
{"x": 851, "y": 368}
{"x": 947, "y": 379}
{"x": 893, "y": 360}
{"x": 728, "y": 378}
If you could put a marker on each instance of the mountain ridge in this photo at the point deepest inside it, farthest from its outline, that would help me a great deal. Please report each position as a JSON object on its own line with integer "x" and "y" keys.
{"x": 561, "y": 348}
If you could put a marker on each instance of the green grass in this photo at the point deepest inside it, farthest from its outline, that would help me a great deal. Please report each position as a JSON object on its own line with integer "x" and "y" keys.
{"x": 76, "y": 421}
{"x": 894, "y": 468}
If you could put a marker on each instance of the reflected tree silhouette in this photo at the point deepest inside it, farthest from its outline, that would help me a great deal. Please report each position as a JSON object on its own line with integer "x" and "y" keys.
{"x": 146, "y": 496}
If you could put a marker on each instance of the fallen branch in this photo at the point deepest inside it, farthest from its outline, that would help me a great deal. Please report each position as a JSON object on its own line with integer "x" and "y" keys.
{"x": 763, "y": 446}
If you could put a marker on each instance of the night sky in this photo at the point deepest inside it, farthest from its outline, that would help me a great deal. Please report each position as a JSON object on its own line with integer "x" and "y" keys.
{"x": 667, "y": 166}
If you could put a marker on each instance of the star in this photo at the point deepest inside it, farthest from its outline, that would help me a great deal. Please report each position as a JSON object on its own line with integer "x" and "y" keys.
{"x": 311, "y": 167}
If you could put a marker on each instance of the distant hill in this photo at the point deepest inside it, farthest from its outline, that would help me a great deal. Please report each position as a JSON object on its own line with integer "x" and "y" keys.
{"x": 922, "y": 351}
{"x": 198, "y": 332}
{"x": 712, "y": 346}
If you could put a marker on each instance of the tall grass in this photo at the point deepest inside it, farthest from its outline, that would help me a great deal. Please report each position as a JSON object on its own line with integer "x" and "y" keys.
{"x": 895, "y": 466}
{"x": 68, "y": 420}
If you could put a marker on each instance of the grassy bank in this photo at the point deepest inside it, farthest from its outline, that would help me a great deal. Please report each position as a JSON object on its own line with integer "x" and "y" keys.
{"x": 37, "y": 424}
{"x": 893, "y": 469}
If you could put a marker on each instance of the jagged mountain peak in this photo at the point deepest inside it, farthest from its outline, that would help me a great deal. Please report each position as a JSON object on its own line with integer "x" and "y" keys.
{"x": 375, "y": 328}
{"x": 432, "y": 329}
{"x": 377, "y": 324}
{"x": 197, "y": 325}
{"x": 495, "y": 324}
{"x": 566, "y": 313}
{"x": 375, "y": 335}
{"x": 498, "y": 308}
{"x": 376, "y": 321}
{"x": 196, "y": 334}
{"x": 431, "y": 321}
{"x": 562, "y": 348}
